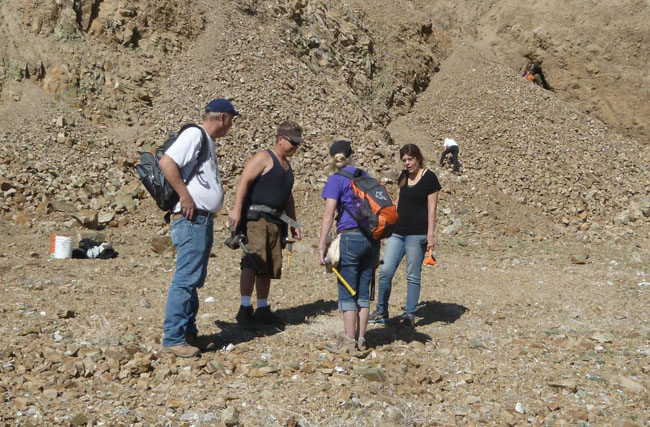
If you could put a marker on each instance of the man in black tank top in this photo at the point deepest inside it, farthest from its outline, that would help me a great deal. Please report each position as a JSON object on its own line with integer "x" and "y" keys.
{"x": 264, "y": 209}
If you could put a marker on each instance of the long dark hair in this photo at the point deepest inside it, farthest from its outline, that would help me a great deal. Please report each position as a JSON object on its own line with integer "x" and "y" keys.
{"x": 413, "y": 151}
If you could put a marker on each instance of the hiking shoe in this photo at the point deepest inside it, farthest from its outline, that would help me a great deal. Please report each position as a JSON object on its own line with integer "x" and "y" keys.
{"x": 264, "y": 315}
{"x": 406, "y": 321}
{"x": 203, "y": 343}
{"x": 361, "y": 344}
{"x": 245, "y": 317}
{"x": 343, "y": 344}
{"x": 181, "y": 350}
{"x": 377, "y": 317}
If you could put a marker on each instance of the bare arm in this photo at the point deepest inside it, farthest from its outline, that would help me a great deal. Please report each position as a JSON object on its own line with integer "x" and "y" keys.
{"x": 173, "y": 176}
{"x": 328, "y": 219}
{"x": 432, "y": 203}
{"x": 254, "y": 167}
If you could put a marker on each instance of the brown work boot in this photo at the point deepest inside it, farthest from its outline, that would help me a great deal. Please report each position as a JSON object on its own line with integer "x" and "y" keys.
{"x": 203, "y": 343}
{"x": 181, "y": 350}
{"x": 343, "y": 344}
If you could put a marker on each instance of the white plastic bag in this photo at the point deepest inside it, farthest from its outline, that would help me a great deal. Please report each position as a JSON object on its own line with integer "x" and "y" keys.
{"x": 333, "y": 253}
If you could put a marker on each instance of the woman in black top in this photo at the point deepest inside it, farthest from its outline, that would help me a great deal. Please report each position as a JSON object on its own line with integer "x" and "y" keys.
{"x": 414, "y": 235}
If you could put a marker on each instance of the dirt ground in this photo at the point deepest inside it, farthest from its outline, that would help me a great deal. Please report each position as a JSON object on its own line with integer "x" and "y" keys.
{"x": 507, "y": 332}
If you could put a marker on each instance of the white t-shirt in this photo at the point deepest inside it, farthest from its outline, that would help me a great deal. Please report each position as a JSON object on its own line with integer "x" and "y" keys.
{"x": 449, "y": 143}
{"x": 205, "y": 187}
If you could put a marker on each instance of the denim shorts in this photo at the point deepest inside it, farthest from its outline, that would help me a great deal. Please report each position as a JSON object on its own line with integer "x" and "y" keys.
{"x": 358, "y": 259}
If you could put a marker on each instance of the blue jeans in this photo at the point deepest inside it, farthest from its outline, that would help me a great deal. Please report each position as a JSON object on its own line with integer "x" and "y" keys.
{"x": 193, "y": 241}
{"x": 358, "y": 258}
{"x": 414, "y": 247}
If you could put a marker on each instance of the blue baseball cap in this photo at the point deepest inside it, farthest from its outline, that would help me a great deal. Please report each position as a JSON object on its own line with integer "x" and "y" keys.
{"x": 220, "y": 105}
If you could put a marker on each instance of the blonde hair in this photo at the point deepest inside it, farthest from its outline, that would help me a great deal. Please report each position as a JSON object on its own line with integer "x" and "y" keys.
{"x": 339, "y": 161}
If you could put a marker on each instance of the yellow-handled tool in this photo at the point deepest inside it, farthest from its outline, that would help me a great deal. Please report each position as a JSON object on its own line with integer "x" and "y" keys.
{"x": 289, "y": 251}
{"x": 348, "y": 287}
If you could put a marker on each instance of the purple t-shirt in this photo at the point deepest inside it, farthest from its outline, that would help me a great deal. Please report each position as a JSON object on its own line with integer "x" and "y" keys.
{"x": 338, "y": 188}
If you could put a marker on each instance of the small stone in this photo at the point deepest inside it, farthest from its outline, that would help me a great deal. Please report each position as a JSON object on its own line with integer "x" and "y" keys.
{"x": 50, "y": 394}
{"x": 65, "y": 314}
{"x": 61, "y": 206}
{"x": 105, "y": 217}
{"x": 394, "y": 415}
{"x": 87, "y": 218}
{"x": 476, "y": 343}
{"x": 519, "y": 407}
{"x": 628, "y": 384}
{"x": 569, "y": 384}
{"x": 580, "y": 257}
{"x": 231, "y": 416}
{"x": 161, "y": 244}
{"x": 370, "y": 373}
{"x": 603, "y": 337}
{"x": 79, "y": 420}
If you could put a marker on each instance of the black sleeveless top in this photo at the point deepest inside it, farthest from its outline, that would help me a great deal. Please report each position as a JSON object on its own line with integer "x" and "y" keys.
{"x": 273, "y": 188}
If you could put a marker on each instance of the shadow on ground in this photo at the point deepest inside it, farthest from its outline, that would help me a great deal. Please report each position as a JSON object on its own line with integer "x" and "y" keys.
{"x": 232, "y": 333}
{"x": 377, "y": 336}
{"x": 436, "y": 311}
{"x": 428, "y": 313}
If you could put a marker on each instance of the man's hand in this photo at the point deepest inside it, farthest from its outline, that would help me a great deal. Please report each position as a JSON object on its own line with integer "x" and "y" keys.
{"x": 234, "y": 218}
{"x": 187, "y": 206}
{"x": 296, "y": 233}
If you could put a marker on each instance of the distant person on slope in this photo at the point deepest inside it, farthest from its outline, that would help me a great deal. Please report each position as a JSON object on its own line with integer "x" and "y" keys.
{"x": 192, "y": 227}
{"x": 450, "y": 147}
{"x": 358, "y": 254}
{"x": 264, "y": 210}
{"x": 414, "y": 235}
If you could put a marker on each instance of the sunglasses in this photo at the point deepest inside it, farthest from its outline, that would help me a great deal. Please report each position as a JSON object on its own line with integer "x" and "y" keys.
{"x": 294, "y": 143}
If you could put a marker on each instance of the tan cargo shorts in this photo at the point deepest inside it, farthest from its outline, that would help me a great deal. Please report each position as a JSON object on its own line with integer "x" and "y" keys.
{"x": 264, "y": 247}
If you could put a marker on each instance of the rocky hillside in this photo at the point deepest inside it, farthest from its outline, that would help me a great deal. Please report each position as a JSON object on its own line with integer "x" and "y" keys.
{"x": 86, "y": 85}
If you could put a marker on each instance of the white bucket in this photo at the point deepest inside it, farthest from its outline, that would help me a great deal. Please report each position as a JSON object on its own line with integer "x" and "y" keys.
{"x": 60, "y": 246}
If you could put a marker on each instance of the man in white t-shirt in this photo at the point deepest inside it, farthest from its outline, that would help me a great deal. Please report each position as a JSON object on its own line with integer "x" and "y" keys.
{"x": 192, "y": 227}
{"x": 450, "y": 146}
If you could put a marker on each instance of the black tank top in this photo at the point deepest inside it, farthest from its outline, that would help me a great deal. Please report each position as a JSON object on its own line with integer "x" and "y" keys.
{"x": 274, "y": 187}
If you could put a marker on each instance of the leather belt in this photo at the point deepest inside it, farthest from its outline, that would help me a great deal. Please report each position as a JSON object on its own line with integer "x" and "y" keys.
{"x": 197, "y": 212}
{"x": 351, "y": 230}
{"x": 276, "y": 213}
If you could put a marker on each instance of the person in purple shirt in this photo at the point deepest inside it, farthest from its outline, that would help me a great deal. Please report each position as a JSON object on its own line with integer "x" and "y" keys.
{"x": 358, "y": 254}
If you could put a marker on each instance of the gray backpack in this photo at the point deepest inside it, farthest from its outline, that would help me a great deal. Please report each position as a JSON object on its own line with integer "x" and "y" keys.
{"x": 152, "y": 176}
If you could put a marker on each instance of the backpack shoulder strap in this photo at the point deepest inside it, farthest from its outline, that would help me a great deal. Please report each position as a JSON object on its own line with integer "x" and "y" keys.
{"x": 357, "y": 173}
{"x": 346, "y": 174}
{"x": 203, "y": 151}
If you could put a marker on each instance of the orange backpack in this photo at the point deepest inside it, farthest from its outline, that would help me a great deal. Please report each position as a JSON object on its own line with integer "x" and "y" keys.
{"x": 376, "y": 214}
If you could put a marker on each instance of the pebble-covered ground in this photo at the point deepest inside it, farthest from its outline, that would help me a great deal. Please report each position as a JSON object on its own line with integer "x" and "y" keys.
{"x": 514, "y": 334}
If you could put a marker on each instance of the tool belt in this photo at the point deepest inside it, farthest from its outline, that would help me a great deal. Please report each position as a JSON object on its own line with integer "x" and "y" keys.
{"x": 275, "y": 213}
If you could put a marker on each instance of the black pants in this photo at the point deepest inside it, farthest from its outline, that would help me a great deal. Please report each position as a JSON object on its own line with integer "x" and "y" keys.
{"x": 454, "y": 157}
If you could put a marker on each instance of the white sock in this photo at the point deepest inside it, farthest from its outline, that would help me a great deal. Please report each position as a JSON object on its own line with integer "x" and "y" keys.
{"x": 246, "y": 301}
{"x": 262, "y": 303}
